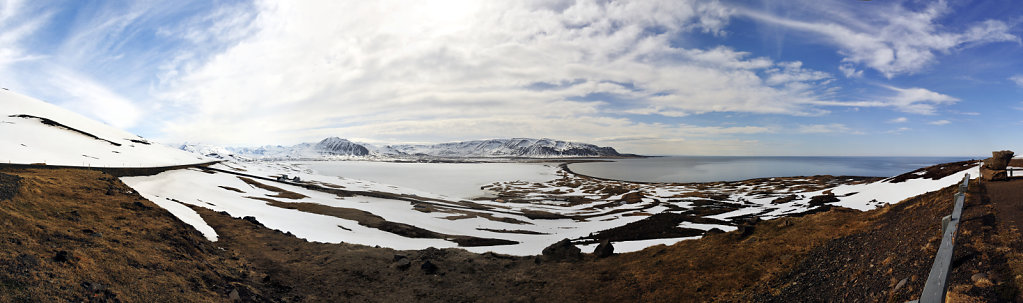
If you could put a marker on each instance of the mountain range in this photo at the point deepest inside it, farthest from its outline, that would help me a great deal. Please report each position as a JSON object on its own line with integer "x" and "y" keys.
{"x": 334, "y": 148}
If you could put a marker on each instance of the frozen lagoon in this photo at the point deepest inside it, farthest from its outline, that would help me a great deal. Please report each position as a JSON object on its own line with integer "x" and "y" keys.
{"x": 453, "y": 180}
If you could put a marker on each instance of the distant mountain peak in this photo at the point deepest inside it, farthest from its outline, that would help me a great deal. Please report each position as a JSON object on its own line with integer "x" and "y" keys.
{"x": 338, "y": 146}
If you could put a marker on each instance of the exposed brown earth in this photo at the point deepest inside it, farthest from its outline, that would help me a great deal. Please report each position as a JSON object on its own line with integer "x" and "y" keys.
{"x": 80, "y": 235}
{"x": 1007, "y": 199}
{"x": 281, "y": 193}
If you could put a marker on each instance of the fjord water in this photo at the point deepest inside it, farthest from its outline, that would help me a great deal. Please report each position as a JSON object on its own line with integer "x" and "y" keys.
{"x": 711, "y": 168}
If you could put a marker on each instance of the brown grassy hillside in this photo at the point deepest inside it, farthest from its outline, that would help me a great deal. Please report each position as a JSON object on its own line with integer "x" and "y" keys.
{"x": 79, "y": 235}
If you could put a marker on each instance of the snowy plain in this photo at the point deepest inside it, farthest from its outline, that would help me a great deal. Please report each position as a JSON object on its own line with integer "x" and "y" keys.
{"x": 492, "y": 217}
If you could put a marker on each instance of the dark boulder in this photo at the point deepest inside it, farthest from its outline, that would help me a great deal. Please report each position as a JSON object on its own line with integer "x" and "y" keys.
{"x": 401, "y": 262}
{"x": 746, "y": 230}
{"x": 428, "y": 267}
{"x": 562, "y": 251}
{"x": 604, "y": 249}
{"x": 713, "y": 231}
{"x": 62, "y": 256}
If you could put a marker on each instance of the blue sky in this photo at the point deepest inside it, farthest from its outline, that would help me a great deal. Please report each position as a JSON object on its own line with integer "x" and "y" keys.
{"x": 651, "y": 77}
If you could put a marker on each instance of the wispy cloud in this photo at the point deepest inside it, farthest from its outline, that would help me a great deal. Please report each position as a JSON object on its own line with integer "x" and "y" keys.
{"x": 918, "y": 100}
{"x": 914, "y": 100}
{"x": 898, "y": 120}
{"x": 827, "y": 129}
{"x": 887, "y": 37}
{"x": 102, "y": 59}
{"x": 898, "y": 130}
{"x": 1018, "y": 79}
{"x": 17, "y": 22}
{"x": 850, "y": 71}
{"x": 939, "y": 122}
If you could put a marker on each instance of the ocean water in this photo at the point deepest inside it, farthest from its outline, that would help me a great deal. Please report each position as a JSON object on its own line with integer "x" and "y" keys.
{"x": 708, "y": 169}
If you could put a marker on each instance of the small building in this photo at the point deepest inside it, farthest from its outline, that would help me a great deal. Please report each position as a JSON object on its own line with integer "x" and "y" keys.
{"x": 282, "y": 178}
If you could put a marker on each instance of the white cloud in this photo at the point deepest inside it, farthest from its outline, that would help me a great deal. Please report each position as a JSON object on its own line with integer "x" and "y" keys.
{"x": 898, "y": 130}
{"x": 1018, "y": 79}
{"x": 898, "y": 120}
{"x": 939, "y": 122}
{"x": 391, "y": 65}
{"x": 887, "y": 37}
{"x": 918, "y": 100}
{"x": 850, "y": 71}
{"x": 913, "y": 100}
{"x": 15, "y": 25}
{"x": 87, "y": 97}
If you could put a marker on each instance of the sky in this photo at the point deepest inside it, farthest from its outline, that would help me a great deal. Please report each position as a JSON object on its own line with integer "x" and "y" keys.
{"x": 673, "y": 77}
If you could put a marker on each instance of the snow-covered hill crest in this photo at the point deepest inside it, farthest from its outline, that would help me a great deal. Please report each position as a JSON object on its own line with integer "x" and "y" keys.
{"x": 34, "y": 131}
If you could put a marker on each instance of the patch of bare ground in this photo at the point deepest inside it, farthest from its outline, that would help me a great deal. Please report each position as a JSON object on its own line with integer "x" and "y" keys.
{"x": 657, "y": 226}
{"x": 231, "y": 189}
{"x": 371, "y": 220}
{"x": 935, "y": 172}
{"x": 1007, "y": 201}
{"x": 512, "y": 231}
{"x": 281, "y": 193}
{"x": 81, "y": 235}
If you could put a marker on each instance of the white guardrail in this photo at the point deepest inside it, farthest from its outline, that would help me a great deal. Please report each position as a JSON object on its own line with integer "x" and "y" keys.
{"x": 937, "y": 280}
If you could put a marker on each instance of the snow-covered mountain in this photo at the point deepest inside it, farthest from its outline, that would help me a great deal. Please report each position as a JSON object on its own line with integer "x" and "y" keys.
{"x": 336, "y": 148}
{"x": 516, "y": 147}
{"x": 34, "y": 131}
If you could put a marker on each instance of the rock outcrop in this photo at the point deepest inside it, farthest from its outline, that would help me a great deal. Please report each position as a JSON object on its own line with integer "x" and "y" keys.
{"x": 995, "y": 168}
{"x": 563, "y": 250}
{"x": 604, "y": 249}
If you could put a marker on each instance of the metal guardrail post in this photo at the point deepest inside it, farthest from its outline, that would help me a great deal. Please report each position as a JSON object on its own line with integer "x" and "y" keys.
{"x": 937, "y": 280}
